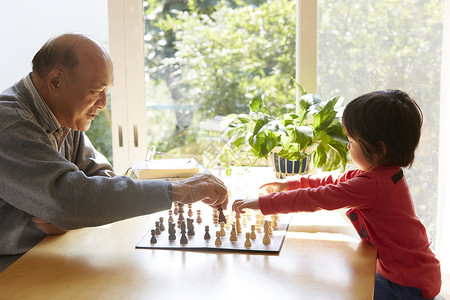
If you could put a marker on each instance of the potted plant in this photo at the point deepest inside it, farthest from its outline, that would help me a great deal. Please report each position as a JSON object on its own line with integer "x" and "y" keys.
{"x": 314, "y": 134}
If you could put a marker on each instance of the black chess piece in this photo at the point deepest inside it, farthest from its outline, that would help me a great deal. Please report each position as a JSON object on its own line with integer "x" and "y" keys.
{"x": 180, "y": 207}
{"x": 190, "y": 227}
{"x": 153, "y": 239}
{"x": 161, "y": 224}
{"x": 183, "y": 239}
{"x": 222, "y": 217}
{"x": 180, "y": 218}
{"x": 207, "y": 235}
{"x": 157, "y": 230}
{"x": 172, "y": 231}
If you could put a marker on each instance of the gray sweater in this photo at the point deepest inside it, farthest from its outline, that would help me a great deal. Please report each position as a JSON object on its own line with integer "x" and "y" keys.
{"x": 55, "y": 174}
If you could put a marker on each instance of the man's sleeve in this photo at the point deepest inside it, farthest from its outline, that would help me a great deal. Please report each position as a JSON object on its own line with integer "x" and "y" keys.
{"x": 38, "y": 180}
{"x": 87, "y": 158}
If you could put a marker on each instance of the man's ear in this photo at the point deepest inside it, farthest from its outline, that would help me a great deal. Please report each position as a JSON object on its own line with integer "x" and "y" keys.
{"x": 54, "y": 81}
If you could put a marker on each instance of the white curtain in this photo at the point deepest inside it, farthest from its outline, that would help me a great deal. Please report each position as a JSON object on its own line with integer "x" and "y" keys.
{"x": 443, "y": 218}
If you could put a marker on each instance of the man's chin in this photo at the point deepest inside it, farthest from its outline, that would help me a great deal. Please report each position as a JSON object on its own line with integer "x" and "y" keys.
{"x": 85, "y": 126}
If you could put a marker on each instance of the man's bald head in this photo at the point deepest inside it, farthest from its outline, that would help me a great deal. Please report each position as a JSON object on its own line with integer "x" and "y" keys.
{"x": 72, "y": 73}
{"x": 64, "y": 52}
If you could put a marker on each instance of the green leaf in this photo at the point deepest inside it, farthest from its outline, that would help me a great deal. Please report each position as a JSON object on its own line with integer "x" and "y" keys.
{"x": 257, "y": 103}
{"x": 261, "y": 122}
{"x": 292, "y": 152}
{"x": 342, "y": 150}
{"x": 332, "y": 162}
{"x": 275, "y": 127}
{"x": 301, "y": 89}
{"x": 320, "y": 156}
{"x": 301, "y": 135}
{"x": 337, "y": 132}
{"x": 263, "y": 143}
{"x": 240, "y": 141}
{"x": 331, "y": 103}
{"x": 309, "y": 102}
{"x": 323, "y": 119}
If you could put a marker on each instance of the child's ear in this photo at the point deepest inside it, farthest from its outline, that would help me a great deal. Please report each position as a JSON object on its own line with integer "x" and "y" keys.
{"x": 381, "y": 151}
{"x": 54, "y": 80}
{"x": 382, "y": 147}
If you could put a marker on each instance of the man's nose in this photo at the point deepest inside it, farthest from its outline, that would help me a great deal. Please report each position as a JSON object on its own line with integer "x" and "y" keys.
{"x": 101, "y": 102}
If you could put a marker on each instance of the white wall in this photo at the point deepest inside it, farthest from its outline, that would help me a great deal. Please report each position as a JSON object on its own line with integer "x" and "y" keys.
{"x": 25, "y": 25}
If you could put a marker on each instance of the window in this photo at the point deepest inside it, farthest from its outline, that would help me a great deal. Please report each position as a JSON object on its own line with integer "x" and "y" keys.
{"x": 205, "y": 60}
{"x": 371, "y": 45}
{"x": 361, "y": 46}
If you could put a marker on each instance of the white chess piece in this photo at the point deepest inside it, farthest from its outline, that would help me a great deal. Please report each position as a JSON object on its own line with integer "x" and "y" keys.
{"x": 266, "y": 238}
{"x": 247, "y": 243}
{"x": 233, "y": 236}
{"x": 222, "y": 228}
{"x": 218, "y": 240}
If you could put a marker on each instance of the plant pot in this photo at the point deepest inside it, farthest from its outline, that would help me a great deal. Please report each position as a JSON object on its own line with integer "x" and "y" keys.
{"x": 284, "y": 167}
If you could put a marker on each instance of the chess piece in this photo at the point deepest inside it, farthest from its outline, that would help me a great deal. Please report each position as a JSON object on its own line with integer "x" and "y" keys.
{"x": 157, "y": 230}
{"x": 207, "y": 236}
{"x": 215, "y": 216}
{"x": 180, "y": 218}
{"x": 175, "y": 209}
{"x": 172, "y": 231}
{"x": 244, "y": 220}
{"x": 170, "y": 216}
{"x": 266, "y": 238}
{"x": 161, "y": 224}
{"x": 270, "y": 228}
{"x": 247, "y": 243}
{"x": 190, "y": 227}
{"x": 222, "y": 217}
{"x": 248, "y": 214}
{"x": 218, "y": 240}
{"x": 222, "y": 229}
{"x": 199, "y": 217}
{"x": 233, "y": 236}
{"x": 253, "y": 233}
{"x": 232, "y": 218}
{"x": 190, "y": 213}
{"x": 183, "y": 239}
{"x": 238, "y": 223}
{"x": 274, "y": 218}
{"x": 180, "y": 208}
{"x": 227, "y": 224}
{"x": 258, "y": 225}
{"x": 153, "y": 239}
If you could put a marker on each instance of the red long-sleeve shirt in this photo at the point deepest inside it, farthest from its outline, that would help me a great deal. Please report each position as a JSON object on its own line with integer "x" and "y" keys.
{"x": 381, "y": 210}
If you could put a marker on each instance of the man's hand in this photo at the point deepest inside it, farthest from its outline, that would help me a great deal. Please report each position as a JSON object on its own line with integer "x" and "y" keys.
{"x": 47, "y": 227}
{"x": 204, "y": 187}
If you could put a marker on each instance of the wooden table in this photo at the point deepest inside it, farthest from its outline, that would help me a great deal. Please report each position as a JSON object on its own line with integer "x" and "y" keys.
{"x": 320, "y": 259}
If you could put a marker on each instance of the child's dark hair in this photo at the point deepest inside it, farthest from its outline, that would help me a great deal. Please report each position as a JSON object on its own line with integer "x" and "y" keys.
{"x": 387, "y": 123}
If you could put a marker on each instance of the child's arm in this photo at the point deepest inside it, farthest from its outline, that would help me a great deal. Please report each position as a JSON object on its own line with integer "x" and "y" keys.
{"x": 241, "y": 204}
{"x": 273, "y": 187}
{"x": 298, "y": 182}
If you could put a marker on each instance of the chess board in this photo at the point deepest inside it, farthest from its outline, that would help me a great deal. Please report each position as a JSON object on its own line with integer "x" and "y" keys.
{"x": 199, "y": 243}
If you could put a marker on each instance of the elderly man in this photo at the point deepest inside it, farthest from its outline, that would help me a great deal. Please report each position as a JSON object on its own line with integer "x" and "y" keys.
{"x": 52, "y": 178}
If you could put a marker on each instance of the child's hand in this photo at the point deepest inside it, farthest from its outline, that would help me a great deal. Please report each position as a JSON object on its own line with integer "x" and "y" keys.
{"x": 241, "y": 204}
{"x": 273, "y": 187}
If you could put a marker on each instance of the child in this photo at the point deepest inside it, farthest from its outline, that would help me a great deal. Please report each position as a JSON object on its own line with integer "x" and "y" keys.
{"x": 383, "y": 129}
